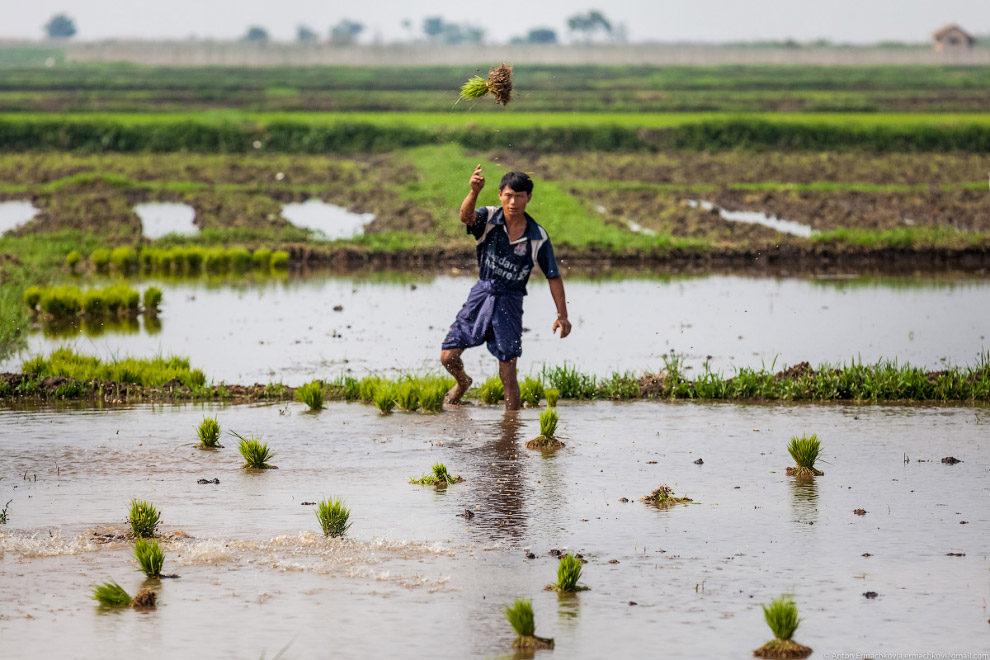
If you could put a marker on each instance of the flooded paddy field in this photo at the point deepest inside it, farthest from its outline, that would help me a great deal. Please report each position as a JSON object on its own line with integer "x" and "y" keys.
{"x": 292, "y": 330}
{"x": 414, "y": 572}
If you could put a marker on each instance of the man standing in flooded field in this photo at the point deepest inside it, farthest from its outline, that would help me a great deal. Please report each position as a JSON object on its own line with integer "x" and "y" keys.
{"x": 509, "y": 244}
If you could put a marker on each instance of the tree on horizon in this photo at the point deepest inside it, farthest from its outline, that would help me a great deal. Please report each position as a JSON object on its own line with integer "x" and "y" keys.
{"x": 60, "y": 27}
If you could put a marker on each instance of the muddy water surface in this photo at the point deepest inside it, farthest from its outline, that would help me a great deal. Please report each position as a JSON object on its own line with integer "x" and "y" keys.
{"x": 291, "y": 331}
{"x": 332, "y": 222}
{"x": 414, "y": 571}
{"x": 162, "y": 218}
{"x": 14, "y": 214}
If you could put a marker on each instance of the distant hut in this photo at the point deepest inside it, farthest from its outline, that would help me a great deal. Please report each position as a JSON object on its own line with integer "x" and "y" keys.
{"x": 951, "y": 37}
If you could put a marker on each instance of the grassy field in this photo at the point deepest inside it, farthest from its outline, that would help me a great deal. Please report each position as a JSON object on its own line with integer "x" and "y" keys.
{"x": 92, "y": 87}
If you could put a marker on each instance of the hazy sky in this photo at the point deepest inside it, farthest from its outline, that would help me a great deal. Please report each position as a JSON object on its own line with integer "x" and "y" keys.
{"x": 666, "y": 20}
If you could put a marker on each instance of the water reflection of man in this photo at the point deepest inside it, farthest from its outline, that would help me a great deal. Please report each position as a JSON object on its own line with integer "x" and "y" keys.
{"x": 499, "y": 489}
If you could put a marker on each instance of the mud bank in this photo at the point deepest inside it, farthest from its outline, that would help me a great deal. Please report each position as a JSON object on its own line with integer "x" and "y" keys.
{"x": 783, "y": 259}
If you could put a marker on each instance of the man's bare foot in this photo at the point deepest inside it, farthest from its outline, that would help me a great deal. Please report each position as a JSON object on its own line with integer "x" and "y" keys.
{"x": 453, "y": 397}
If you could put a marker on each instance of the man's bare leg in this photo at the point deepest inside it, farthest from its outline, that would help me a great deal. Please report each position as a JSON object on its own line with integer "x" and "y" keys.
{"x": 507, "y": 372}
{"x": 450, "y": 358}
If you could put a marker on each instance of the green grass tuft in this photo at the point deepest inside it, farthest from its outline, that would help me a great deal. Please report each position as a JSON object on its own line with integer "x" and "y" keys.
{"x": 553, "y": 395}
{"x": 782, "y": 617}
{"x": 408, "y": 395}
{"x": 150, "y": 557}
{"x": 334, "y": 517}
{"x": 520, "y": 617}
{"x": 568, "y": 573}
{"x": 531, "y": 391}
{"x": 311, "y": 394}
{"x": 431, "y": 396}
{"x": 256, "y": 453}
{"x": 492, "y": 391}
{"x": 804, "y": 450}
{"x": 209, "y": 433}
{"x": 385, "y": 397}
{"x": 111, "y": 594}
{"x": 143, "y": 517}
{"x": 439, "y": 478}
{"x": 548, "y": 423}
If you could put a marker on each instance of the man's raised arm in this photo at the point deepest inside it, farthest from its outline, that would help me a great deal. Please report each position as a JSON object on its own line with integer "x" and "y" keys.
{"x": 467, "y": 206}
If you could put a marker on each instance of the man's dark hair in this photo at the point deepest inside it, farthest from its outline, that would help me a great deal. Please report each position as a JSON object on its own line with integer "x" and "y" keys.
{"x": 518, "y": 181}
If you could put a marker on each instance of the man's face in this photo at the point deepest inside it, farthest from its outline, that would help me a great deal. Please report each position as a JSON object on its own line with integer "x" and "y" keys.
{"x": 513, "y": 203}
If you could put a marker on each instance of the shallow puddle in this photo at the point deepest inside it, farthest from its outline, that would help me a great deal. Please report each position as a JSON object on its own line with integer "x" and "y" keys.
{"x": 329, "y": 221}
{"x": 414, "y": 570}
{"x": 162, "y": 218}
{"x": 14, "y": 214}
{"x": 757, "y": 218}
{"x": 291, "y": 331}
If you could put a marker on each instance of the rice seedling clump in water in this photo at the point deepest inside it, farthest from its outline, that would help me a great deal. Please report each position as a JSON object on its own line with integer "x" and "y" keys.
{"x": 498, "y": 84}
{"x": 782, "y": 617}
{"x": 804, "y": 450}
{"x": 568, "y": 574}
{"x": 531, "y": 391}
{"x": 440, "y": 477}
{"x": 256, "y": 453}
{"x": 333, "y": 517}
{"x": 520, "y": 617}
{"x": 664, "y": 497}
{"x": 144, "y": 517}
{"x": 311, "y": 394}
{"x": 492, "y": 391}
{"x": 407, "y": 395}
{"x": 150, "y": 557}
{"x": 431, "y": 397}
{"x": 209, "y": 433}
{"x": 548, "y": 431}
{"x": 385, "y": 398}
{"x": 553, "y": 395}
{"x": 111, "y": 594}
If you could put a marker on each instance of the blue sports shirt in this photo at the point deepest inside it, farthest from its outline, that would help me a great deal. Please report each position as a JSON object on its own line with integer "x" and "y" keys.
{"x": 508, "y": 264}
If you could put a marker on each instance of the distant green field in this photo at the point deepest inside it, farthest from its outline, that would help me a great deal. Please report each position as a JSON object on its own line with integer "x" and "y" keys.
{"x": 509, "y": 119}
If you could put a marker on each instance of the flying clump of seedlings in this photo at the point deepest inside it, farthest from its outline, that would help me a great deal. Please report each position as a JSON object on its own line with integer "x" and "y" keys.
{"x": 568, "y": 574}
{"x": 782, "y": 617}
{"x": 804, "y": 450}
{"x": 255, "y": 452}
{"x": 498, "y": 84}
{"x": 663, "y": 497}
{"x": 111, "y": 594}
{"x": 548, "y": 431}
{"x": 144, "y": 518}
{"x": 150, "y": 557}
{"x": 334, "y": 517}
{"x": 439, "y": 479}
{"x": 209, "y": 433}
{"x": 311, "y": 394}
{"x": 520, "y": 617}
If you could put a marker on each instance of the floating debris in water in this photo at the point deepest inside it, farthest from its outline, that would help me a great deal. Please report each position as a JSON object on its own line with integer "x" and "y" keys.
{"x": 208, "y": 481}
{"x": 951, "y": 460}
{"x": 699, "y": 462}
{"x": 870, "y": 594}
{"x": 859, "y": 512}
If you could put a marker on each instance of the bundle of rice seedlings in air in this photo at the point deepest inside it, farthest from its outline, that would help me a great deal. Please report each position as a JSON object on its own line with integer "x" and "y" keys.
{"x": 499, "y": 85}
{"x": 782, "y": 617}
{"x": 334, "y": 517}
